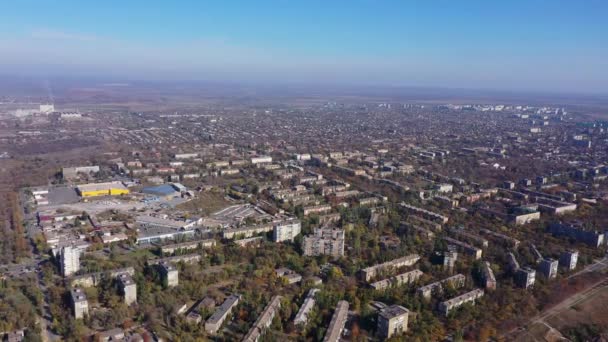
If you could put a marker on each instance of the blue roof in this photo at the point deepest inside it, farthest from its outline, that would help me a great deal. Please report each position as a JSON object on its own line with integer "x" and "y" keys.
{"x": 160, "y": 190}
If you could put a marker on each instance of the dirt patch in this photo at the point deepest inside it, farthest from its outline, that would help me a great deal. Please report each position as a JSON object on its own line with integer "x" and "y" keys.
{"x": 591, "y": 310}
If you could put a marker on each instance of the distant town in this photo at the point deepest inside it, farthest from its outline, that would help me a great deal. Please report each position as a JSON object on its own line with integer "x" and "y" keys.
{"x": 301, "y": 220}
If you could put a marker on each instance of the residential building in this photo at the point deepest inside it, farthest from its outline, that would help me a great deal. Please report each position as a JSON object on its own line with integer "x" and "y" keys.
{"x": 290, "y": 276}
{"x": 286, "y": 230}
{"x": 590, "y": 237}
{"x": 325, "y": 241}
{"x": 80, "y": 305}
{"x": 169, "y": 273}
{"x": 128, "y": 288}
{"x": 525, "y": 277}
{"x": 427, "y": 215}
{"x": 487, "y": 276}
{"x": 306, "y": 308}
{"x": 392, "y": 321}
{"x": 465, "y": 247}
{"x": 454, "y": 303}
{"x": 548, "y": 268}
{"x": 455, "y": 281}
{"x": 568, "y": 260}
{"x": 398, "y": 280}
{"x": 513, "y": 264}
{"x": 264, "y": 320}
{"x": 338, "y": 320}
{"x": 69, "y": 259}
{"x": 214, "y": 323}
{"x": 261, "y": 160}
{"x": 371, "y": 272}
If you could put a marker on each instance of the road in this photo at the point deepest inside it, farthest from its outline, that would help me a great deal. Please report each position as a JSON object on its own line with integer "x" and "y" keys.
{"x": 597, "y": 266}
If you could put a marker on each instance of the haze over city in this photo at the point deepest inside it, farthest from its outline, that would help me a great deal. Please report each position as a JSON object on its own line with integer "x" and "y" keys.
{"x": 509, "y": 45}
{"x": 306, "y": 171}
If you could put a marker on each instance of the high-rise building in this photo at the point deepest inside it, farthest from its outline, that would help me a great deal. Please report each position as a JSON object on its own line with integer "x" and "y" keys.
{"x": 548, "y": 267}
{"x": 69, "y": 259}
{"x": 525, "y": 277}
{"x": 568, "y": 260}
{"x": 169, "y": 273}
{"x": 325, "y": 241}
{"x": 80, "y": 305}
{"x": 286, "y": 230}
{"x": 392, "y": 321}
{"x": 127, "y": 288}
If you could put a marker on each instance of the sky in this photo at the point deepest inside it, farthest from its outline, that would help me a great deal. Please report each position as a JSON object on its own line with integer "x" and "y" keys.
{"x": 541, "y": 45}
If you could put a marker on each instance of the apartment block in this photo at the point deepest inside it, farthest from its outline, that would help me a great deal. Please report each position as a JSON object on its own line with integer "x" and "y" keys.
{"x": 392, "y": 321}
{"x": 401, "y": 279}
{"x": 455, "y": 281}
{"x": 325, "y": 241}
{"x": 264, "y": 320}
{"x": 525, "y": 277}
{"x": 454, "y": 303}
{"x": 286, "y": 230}
{"x": 487, "y": 276}
{"x": 306, "y": 308}
{"x": 169, "y": 273}
{"x": 69, "y": 259}
{"x": 369, "y": 273}
{"x": 214, "y": 323}
{"x": 338, "y": 320}
{"x": 80, "y": 305}
{"x": 548, "y": 268}
{"x": 128, "y": 288}
{"x": 465, "y": 247}
{"x": 568, "y": 260}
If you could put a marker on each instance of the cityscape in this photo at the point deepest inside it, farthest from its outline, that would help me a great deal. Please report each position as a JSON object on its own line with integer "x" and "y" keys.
{"x": 217, "y": 210}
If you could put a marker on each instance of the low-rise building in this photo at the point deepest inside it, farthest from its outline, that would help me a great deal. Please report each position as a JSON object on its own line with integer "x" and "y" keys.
{"x": 102, "y": 189}
{"x": 116, "y": 334}
{"x": 513, "y": 264}
{"x": 426, "y": 214}
{"x": 306, "y": 308}
{"x": 451, "y": 304}
{"x": 590, "y": 237}
{"x": 456, "y": 281}
{"x": 398, "y": 280}
{"x": 369, "y": 273}
{"x": 317, "y": 209}
{"x": 465, "y": 247}
{"x": 487, "y": 276}
{"x": 264, "y": 320}
{"x": 290, "y": 276}
{"x": 512, "y": 242}
{"x": 338, "y": 320}
{"x": 214, "y": 323}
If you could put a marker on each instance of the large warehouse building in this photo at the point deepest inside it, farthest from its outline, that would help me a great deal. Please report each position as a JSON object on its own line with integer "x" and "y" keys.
{"x": 102, "y": 189}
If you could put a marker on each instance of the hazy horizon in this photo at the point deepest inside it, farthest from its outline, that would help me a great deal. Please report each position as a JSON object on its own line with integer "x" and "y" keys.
{"x": 539, "y": 46}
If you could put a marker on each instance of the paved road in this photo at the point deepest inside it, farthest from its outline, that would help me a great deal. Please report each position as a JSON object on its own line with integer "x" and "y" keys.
{"x": 597, "y": 266}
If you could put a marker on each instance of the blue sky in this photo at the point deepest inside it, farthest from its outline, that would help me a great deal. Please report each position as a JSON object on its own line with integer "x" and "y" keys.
{"x": 551, "y": 45}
